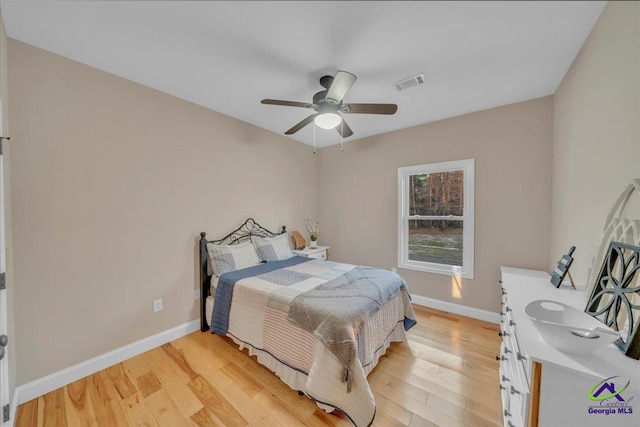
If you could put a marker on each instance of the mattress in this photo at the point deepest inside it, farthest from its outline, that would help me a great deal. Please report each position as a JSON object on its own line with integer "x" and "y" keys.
{"x": 209, "y": 309}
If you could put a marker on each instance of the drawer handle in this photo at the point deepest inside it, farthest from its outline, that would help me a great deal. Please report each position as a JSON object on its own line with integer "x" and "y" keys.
{"x": 509, "y": 309}
{"x": 512, "y": 323}
{"x": 514, "y": 391}
{"x": 506, "y": 413}
{"x": 506, "y": 350}
{"x": 502, "y": 387}
{"x": 504, "y": 380}
{"x": 521, "y": 357}
{"x": 510, "y": 425}
{"x": 501, "y": 358}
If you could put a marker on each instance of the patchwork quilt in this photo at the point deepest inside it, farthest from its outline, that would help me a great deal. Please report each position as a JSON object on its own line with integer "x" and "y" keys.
{"x": 319, "y": 325}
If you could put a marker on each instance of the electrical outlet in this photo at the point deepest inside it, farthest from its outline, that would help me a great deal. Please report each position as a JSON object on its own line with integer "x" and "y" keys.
{"x": 393, "y": 269}
{"x": 196, "y": 294}
{"x": 157, "y": 305}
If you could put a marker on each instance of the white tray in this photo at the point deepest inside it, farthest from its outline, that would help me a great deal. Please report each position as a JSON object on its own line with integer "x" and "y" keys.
{"x": 569, "y": 329}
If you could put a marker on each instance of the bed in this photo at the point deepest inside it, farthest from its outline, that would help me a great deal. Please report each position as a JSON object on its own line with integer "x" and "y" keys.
{"x": 320, "y": 326}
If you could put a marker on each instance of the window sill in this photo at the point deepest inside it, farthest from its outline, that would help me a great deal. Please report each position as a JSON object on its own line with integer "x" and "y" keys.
{"x": 444, "y": 270}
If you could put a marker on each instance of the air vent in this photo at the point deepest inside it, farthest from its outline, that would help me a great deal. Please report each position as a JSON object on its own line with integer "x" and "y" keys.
{"x": 410, "y": 82}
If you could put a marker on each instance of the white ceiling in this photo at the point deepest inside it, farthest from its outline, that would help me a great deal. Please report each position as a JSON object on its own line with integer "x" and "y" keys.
{"x": 227, "y": 56}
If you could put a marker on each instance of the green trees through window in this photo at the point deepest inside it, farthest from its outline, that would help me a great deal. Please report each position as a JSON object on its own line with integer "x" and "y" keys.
{"x": 438, "y": 194}
{"x": 435, "y": 231}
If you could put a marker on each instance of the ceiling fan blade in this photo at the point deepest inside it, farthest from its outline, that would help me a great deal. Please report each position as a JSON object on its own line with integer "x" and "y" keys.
{"x": 370, "y": 108}
{"x": 286, "y": 103}
{"x": 300, "y": 125}
{"x": 341, "y": 84}
{"x": 343, "y": 129}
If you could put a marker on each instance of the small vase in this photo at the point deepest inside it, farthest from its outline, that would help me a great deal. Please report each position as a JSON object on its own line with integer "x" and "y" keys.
{"x": 313, "y": 244}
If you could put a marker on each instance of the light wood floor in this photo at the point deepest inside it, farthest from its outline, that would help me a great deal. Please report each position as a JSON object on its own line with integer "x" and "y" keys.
{"x": 445, "y": 374}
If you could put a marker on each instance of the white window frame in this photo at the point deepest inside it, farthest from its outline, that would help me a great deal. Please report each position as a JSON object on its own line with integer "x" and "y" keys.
{"x": 466, "y": 270}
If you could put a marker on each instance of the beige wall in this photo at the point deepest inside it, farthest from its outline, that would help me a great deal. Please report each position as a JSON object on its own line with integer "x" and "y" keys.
{"x": 112, "y": 183}
{"x": 5, "y": 131}
{"x": 358, "y": 196}
{"x": 596, "y": 130}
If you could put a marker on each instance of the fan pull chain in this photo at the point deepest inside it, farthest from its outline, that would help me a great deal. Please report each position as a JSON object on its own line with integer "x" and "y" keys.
{"x": 314, "y": 137}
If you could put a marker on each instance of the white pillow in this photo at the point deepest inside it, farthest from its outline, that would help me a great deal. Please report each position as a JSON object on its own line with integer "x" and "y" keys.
{"x": 231, "y": 257}
{"x": 272, "y": 248}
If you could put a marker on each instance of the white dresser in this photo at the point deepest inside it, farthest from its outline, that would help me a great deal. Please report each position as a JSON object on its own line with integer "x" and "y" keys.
{"x": 321, "y": 252}
{"x": 542, "y": 386}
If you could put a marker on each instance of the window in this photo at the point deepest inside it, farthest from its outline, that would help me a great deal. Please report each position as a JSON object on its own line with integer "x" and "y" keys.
{"x": 435, "y": 218}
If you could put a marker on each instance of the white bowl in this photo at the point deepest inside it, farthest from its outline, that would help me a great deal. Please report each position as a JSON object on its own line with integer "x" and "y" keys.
{"x": 569, "y": 329}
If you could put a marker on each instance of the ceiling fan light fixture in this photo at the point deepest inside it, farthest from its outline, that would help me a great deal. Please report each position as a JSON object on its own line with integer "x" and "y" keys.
{"x": 328, "y": 120}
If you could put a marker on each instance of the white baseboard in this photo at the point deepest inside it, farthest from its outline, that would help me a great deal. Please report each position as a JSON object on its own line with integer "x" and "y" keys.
{"x": 51, "y": 382}
{"x": 463, "y": 310}
{"x": 14, "y": 409}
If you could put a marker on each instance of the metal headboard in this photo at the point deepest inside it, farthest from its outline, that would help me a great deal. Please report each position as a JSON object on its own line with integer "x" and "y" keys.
{"x": 249, "y": 228}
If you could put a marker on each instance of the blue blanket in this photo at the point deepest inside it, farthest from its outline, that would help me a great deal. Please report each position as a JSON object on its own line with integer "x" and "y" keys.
{"x": 226, "y": 283}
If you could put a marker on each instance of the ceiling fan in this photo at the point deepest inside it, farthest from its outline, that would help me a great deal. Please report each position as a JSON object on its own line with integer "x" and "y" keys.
{"x": 328, "y": 105}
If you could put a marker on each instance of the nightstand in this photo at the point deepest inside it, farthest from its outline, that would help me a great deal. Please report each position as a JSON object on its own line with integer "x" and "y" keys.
{"x": 321, "y": 252}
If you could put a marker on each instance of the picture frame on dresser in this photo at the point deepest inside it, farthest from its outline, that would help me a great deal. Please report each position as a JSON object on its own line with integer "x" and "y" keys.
{"x": 562, "y": 269}
{"x": 615, "y": 297}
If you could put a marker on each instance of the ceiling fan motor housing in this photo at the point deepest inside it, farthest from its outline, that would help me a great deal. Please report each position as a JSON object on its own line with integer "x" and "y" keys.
{"x": 325, "y": 81}
{"x": 319, "y": 98}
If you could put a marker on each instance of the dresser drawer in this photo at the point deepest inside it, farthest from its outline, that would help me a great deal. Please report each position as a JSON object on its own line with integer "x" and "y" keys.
{"x": 518, "y": 405}
{"x": 522, "y": 363}
{"x": 515, "y": 369}
{"x": 319, "y": 255}
{"x": 511, "y": 407}
{"x": 505, "y": 386}
{"x": 321, "y": 252}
